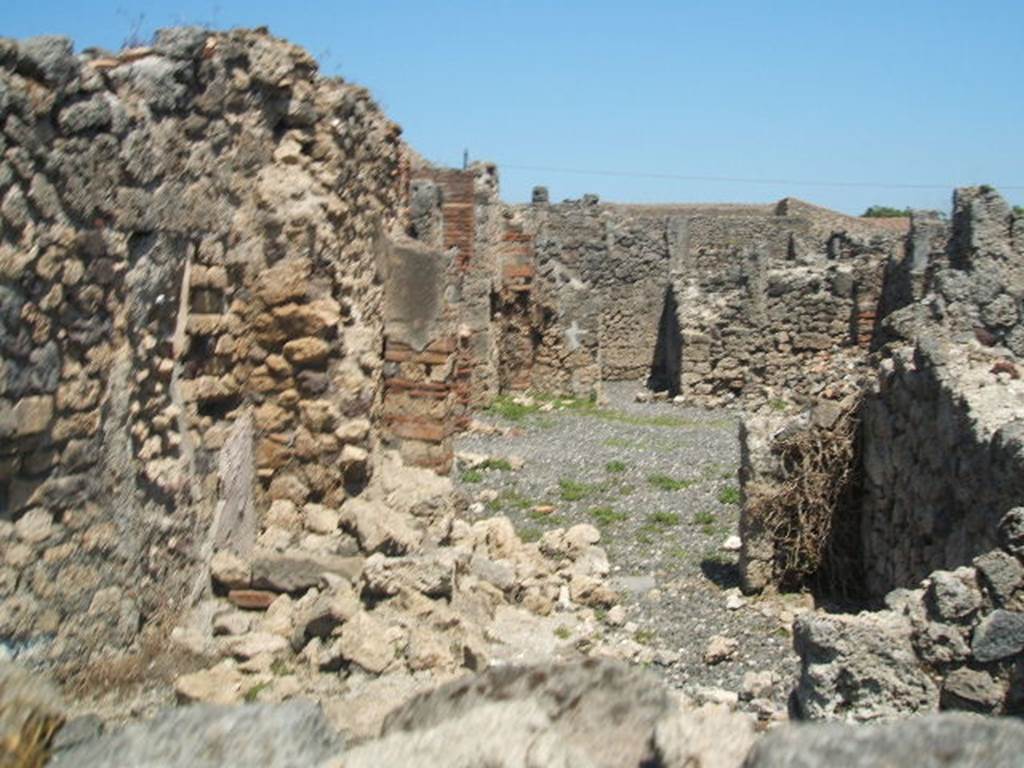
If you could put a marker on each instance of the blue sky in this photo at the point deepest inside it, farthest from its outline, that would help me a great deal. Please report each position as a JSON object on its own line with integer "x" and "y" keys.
{"x": 893, "y": 93}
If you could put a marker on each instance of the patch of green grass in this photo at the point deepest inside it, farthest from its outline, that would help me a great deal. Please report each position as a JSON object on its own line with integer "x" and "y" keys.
{"x": 729, "y": 495}
{"x": 507, "y": 407}
{"x": 252, "y": 693}
{"x": 644, "y": 535}
{"x": 279, "y": 667}
{"x": 644, "y": 636}
{"x": 708, "y": 530}
{"x": 574, "y": 490}
{"x": 548, "y": 518}
{"x": 677, "y": 553}
{"x": 472, "y": 476}
{"x": 665, "y": 483}
{"x": 530, "y": 534}
{"x": 509, "y": 499}
{"x": 704, "y": 518}
{"x": 664, "y": 518}
{"x": 502, "y": 465}
{"x": 625, "y": 489}
{"x": 777, "y": 404}
{"x": 512, "y": 408}
{"x": 661, "y": 420}
{"x": 515, "y": 500}
{"x": 563, "y": 633}
{"x": 575, "y": 403}
{"x": 639, "y": 421}
{"x": 607, "y": 515}
{"x": 615, "y": 466}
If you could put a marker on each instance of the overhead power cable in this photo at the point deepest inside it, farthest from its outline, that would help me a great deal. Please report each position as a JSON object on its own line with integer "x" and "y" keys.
{"x": 742, "y": 180}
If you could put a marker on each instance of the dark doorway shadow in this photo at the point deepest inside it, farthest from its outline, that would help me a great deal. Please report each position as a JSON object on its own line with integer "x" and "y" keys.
{"x": 666, "y": 368}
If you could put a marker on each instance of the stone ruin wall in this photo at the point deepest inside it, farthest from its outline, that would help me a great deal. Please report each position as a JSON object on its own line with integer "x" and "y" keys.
{"x": 941, "y": 449}
{"x": 560, "y": 297}
{"x": 225, "y": 282}
{"x": 940, "y": 430}
{"x": 943, "y": 458}
{"x": 190, "y": 316}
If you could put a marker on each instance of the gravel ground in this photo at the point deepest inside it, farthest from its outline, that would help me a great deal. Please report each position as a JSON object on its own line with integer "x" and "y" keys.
{"x": 659, "y": 481}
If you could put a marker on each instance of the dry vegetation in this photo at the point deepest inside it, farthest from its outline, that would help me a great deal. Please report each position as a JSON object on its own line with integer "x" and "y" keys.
{"x": 810, "y": 515}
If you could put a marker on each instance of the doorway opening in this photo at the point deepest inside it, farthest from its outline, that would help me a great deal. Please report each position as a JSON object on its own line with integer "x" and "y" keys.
{"x": 667, "y": 365}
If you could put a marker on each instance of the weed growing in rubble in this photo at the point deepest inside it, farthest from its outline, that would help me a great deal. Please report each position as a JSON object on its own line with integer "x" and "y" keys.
{"x": 509, "y": 499}
{"x": 644, "y": 636}
{"x": 664, "y": 518}
{"x": 574, "y": 490}
{"x": 472, "y": 476}
{"x": 704, "y": 518}
{"x": 666, "y": 483}
{"x": 563, "y": 633}
{"x": 502, "y": 465}
{"x": 530, "y": 534}
{"x": 509, "y": 408}
{"x": 252, "y": 693}
{"x": 548, "y": 518}
{"x": 607, "y": 515}
{"x": 729, "y": 495}
{"x": 615, "y": 466}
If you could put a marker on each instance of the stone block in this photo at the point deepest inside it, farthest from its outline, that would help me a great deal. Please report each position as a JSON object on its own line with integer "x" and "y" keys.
{"x": 1002, "y": 574}
{"x": 307, "y": 351}
{"x": 972, "y": 689}
{"x": 998, "y": 636}
{"x": 252, "y": 599}
{"x": 954, "y": 596}
{"x": 297, "y": 570}
{"x": 32, "y": 415}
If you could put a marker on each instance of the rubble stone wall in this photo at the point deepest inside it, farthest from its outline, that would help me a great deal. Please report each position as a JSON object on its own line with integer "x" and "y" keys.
{"x": 943, "y": 454}
{"x": 190, "y": 316}
{"x": 758, "y": 295}
{"x": 955, "y": 642}
{"x": 941, "y": 437}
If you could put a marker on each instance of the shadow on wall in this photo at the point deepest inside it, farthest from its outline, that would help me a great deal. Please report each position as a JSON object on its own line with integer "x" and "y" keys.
{"x": 666, "y": 368}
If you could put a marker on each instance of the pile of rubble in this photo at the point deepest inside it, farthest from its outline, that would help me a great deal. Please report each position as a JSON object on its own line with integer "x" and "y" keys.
{"x": 390, "y": 585}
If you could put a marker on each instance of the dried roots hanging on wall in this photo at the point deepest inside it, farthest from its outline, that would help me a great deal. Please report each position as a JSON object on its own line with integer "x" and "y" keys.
{"x": 811, "y": 514}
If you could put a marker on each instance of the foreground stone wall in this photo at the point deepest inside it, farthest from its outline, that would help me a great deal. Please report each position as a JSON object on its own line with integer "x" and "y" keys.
{"x": 957, "y": 642}
{"x": 943, "y": 457}
{"x": 190, "y": 316}
{"x": 940, "y": 441}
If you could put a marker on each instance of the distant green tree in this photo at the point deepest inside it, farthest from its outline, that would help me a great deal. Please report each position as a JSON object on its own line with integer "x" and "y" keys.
{"x": 885, "y": 212}
{"x": 1018, "y": 210}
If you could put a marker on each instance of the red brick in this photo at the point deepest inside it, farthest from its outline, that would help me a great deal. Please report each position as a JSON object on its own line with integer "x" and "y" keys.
{"x": 252, "y": 599}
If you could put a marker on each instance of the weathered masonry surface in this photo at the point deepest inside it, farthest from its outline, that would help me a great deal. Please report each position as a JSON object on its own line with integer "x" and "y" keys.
{"x": 560, "y": 297}
{"x": 190, "y": 316}
{"x": 226, "y": 286}
{"x": 941, "y": 467}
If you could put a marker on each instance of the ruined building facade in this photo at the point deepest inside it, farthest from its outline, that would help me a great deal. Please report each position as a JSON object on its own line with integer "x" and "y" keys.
{"x": 226, "y": 283}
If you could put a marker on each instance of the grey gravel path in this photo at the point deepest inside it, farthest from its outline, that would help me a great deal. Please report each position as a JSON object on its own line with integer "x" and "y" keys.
{"x": 659, "y": 480}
